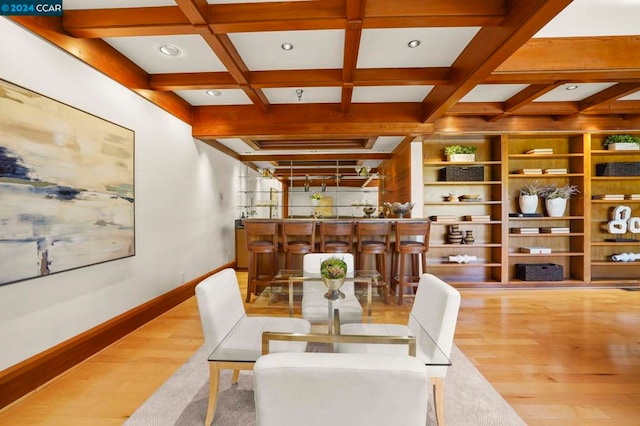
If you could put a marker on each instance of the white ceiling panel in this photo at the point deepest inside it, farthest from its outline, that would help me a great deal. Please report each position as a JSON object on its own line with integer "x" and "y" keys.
{"x": 584, "y": 18}
{"x": 226, "y": 97}
{"x": 311, "y": 49}
{"x": 632, "y": 97}
{"x": 196, "y": 55}
{"x": 310, "y": 95}
{"x": 387, "y": 143}
{"x": 493, "y": 92}
{"x": 364, "y": 94}
{"x": 237, "y": 145}
{"x": 387, "y": 48}
{"x": 584, "y": 90}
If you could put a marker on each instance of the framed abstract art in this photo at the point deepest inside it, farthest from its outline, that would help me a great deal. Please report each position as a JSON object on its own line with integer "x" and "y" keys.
{"x": 66, "y": 187}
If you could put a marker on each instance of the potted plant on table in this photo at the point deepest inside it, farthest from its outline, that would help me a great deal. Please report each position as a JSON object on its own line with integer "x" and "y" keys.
{"x": 315, "y": 198}
{"x": 333, "y": 272}
{"x": 622, "y": 143}
{"x": 529, "y": 194}
{"x": 556, "y": 198}
{"x": 460, "y": 153}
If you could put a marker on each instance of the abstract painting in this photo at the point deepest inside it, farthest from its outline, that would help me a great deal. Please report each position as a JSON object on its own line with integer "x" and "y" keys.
{"x": 66, "y": 187}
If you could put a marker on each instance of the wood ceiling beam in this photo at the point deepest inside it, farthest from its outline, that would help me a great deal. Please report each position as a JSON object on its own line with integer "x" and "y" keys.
{"x": 541, "y": 124}
{"x": 192, "y": 81}
{"x": 316, "y": 157}
{"x": 524, "y": 97}
{"x": 354, "y": 11}
{"x": 575, "y": 54}
{"x": 489, "y": 48}
{"x": 279, "y": 16}
{"x": 107, "y": 60}
{"x": 603, "y": 97}
{"x": 570, "y": 76}
{"x": 224, "y": 49}
{"x": 309, "y": 121}
{"x": 301, "y": 78}
{"x": 434, "y": 13}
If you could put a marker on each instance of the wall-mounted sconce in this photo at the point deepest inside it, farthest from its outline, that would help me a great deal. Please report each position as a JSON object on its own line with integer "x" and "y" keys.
{"x": 306, "y": 184}
{"x": 324, "y": 186}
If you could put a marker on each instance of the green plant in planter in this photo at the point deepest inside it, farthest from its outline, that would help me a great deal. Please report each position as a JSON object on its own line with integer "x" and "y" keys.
{"x": 333, "y": 268}
{"x": 620, "y": 139}
{"x": 532, "y": 188}
{"x": 553, "y": 191}
{"x": 460, "y": 149}
{"x": 316, "y": 196}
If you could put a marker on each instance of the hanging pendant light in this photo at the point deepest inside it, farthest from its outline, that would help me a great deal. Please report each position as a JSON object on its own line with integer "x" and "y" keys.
{"x": 306, "y": 184}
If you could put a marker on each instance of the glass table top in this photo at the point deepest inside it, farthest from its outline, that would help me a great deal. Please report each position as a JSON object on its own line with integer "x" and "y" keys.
{"x": 336, "y": 325}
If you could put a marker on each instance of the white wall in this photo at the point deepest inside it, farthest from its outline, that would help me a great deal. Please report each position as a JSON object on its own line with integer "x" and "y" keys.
{"x": 185, "y": 205}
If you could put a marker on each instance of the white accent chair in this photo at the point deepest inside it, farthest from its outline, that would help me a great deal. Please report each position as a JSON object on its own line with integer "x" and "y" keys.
{"x": 315, "y": 307}
{"x": 223, "y": 318}
{"x": 435, "y": 310}
{"x": 319, "y": 389}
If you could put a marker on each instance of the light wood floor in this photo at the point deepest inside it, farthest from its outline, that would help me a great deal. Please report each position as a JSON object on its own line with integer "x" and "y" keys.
{"x": 559, "y": 357}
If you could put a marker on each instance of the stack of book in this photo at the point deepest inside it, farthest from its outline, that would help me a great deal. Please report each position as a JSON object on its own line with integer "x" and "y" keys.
{"x": 540, "y": 151}
{"x": 535, "y": 250}
{"x": 555, "y": 171}
{"x": 528, "y": 171}
{"x": 555, "y": 230}
{"x": 632, "y": 197}
{"x": 525, "y": 230}
{"x": 477, "y": 217}
{"x": 443, "y": 218}
{"x": 610, "y": 197}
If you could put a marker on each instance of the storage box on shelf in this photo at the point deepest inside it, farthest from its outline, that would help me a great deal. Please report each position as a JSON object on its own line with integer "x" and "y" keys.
{"x": 469, "y": 196}
{"x": 607, "y": 192}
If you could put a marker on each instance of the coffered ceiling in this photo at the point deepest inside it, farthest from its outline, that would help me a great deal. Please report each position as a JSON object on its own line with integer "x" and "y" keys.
{"x": 351, "y": 87}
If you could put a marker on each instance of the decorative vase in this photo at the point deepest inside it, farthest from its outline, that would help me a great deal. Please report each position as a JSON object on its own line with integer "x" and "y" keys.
{"x": 333, "y": 288}
{"x": 315, "y": 202}
{"x": 555, "y": 206}
{"x": 455, "y": 235}
{"x": 528, "y": 203}
{"x": 469, "y": 238}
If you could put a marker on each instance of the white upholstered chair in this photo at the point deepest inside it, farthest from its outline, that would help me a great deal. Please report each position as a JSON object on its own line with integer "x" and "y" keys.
{"x": 435, "y": 310}
{"x": 226, "y": 326}
{"x": 318, "y": 389}
{"x": 315, "y": 307}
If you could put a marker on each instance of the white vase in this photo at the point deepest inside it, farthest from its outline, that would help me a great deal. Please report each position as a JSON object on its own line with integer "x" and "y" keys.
{"x": 314, "y": 202}
{"x": 556, "y": 206}
{"x": 528, "y": 203}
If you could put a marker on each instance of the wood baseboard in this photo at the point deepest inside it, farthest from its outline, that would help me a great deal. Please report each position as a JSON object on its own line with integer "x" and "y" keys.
{"x": 26, "y": 376}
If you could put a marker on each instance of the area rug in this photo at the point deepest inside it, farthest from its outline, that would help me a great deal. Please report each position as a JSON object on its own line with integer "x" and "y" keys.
{"x": 182, "y": 400}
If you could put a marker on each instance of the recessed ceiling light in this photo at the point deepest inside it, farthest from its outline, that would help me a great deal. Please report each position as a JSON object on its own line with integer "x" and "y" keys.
{"x": 214, "y": 93}
{"x": 287, "y": 46}
{"x": 169, "y": 50}
{"x": 413, "y": 44}
{"x": 572, "y": 87}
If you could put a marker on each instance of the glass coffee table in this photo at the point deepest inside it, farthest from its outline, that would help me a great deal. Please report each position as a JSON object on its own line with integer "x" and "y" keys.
{"x": 285, "y": 296}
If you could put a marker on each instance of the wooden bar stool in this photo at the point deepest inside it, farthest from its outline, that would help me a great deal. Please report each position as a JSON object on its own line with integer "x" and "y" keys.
{"x": 262, "y": 238}
{"x": 412, "y": 238}
{"x": 336, "y": 237}
{"x": 298, "y": 237}
{"x": 374, "y": 238}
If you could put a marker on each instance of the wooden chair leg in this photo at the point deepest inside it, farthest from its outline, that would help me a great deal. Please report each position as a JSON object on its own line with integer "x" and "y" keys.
{"x": 438, "y": 399}
{"x": 234, "y": 377}
{"x": 214, "y": 383}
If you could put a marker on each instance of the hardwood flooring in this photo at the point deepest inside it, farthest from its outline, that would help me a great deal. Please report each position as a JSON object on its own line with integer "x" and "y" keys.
{"x": 559, "y": 357}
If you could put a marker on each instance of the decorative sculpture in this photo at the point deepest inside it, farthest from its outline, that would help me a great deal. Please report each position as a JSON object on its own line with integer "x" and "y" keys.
{"x": 625, "y": 257}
